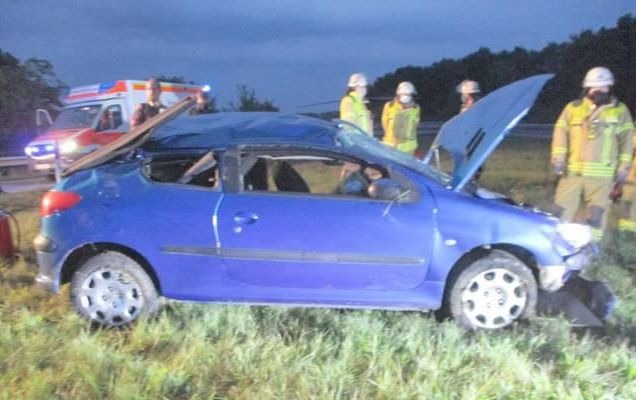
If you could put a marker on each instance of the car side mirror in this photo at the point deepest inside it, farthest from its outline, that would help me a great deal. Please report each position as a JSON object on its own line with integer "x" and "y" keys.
{"x": 384, "y": 189}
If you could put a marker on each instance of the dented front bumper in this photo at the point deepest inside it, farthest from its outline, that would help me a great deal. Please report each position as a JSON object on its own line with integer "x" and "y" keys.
{"x": 563, "y": 292}
{"x": 553, "y": 277}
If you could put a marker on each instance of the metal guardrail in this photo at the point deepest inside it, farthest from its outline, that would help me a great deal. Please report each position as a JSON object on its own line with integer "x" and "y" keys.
{"x": 13, "y": 161}
{"x": 541, "y": 131}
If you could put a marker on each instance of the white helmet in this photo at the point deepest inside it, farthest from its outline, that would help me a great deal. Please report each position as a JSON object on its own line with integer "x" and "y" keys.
{"x": 597, "y": 77}
{"x": 357, "y": 79}
{"x": 467, "y": 87}
{"x": 406, "y": 88}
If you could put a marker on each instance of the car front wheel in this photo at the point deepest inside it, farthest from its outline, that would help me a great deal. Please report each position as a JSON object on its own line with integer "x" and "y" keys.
{"x": 493, "y": 292}
{"x": 111, "y": 289}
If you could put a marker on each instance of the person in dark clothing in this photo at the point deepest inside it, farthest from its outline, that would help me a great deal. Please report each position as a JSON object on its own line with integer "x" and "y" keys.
{"x": 470, "y": 93}
{"x": 151, "y": 107}
{"x": 357, "y": 182}
{"x": 203, "y": 104}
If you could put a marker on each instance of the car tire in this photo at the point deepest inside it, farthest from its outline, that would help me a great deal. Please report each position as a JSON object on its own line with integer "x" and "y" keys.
{"x": 493, "y": 292}
{"x": 112, "y": 290}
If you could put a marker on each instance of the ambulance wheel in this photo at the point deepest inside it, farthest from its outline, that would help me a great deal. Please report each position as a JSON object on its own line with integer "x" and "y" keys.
{"x": 112, "y": 290}
{"x": 493, "y": 292}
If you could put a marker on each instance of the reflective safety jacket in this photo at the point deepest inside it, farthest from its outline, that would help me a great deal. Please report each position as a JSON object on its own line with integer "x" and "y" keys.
{"x": 595, "y": 140}
{"x": 353, "y": 109}
{"x": 400, "y": 126}
{"x": 627, "y": 220}
{"x": 631, "y": 178}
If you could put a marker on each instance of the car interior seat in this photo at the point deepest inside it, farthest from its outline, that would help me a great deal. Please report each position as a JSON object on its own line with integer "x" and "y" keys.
{"x": 256, "y": 177}
{"x": 287, "y": 179}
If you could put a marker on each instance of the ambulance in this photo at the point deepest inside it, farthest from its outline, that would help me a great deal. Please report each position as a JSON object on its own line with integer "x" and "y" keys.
{"x": 92, "y": 116}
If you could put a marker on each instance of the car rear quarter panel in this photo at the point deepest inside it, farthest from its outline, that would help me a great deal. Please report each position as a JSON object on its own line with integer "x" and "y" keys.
{"x": 169, "y": 225}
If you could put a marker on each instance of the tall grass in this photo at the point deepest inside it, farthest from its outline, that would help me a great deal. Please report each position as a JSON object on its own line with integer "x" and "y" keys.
{"x": 193, "y": 351}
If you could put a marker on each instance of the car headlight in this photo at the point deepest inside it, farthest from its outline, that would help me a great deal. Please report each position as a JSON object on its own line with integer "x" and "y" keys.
{"x": 68, "y": 146}
{"x": 576, "y": 235}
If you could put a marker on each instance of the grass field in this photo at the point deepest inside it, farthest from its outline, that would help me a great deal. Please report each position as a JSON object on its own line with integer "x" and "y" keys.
{"x": 241, "y": 352}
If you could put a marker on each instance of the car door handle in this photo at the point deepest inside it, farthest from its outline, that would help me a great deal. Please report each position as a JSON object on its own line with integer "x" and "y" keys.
{"x": 245, "y": 217}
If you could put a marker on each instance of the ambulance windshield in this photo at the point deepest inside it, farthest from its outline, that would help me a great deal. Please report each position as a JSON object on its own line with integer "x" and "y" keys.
{"x": 80, "y": 117}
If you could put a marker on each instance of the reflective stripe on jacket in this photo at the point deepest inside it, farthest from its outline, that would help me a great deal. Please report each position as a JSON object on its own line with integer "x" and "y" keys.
{"x": 353, "y": 109}
{"x": 400, "y": 126}
{"x": 632, "y": 173}
{"x": 595, "y": 141}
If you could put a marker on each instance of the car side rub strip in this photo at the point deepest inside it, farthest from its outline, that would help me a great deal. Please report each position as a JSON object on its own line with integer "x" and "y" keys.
{"x": 302, "y": 256}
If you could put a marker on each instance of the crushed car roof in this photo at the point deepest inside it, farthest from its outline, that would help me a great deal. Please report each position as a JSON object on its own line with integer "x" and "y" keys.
{"x": 217, "y": 130}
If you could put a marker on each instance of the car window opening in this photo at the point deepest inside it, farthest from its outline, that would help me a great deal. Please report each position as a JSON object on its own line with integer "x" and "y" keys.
{"x": 110, "y": 119}
{"x": 193, "y": 170}
{"x": 311, "y": 174}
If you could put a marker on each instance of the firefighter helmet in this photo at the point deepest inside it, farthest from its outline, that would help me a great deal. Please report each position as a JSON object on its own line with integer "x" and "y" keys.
{"x": 598, "y": 77}
{"x": 406, "y": 88}
{"x": 467, "y": 87}
{"x": 357, "y": 79}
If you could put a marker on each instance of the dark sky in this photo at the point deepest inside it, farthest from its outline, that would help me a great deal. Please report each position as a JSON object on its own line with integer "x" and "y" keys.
{"x": 293, "y": 52}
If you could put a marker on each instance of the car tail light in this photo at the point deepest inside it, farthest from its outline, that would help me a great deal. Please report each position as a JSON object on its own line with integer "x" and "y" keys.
{"x": 53, "y": 202}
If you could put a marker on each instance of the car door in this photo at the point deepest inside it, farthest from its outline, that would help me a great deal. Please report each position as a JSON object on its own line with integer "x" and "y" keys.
{"x": 323, "y": 240}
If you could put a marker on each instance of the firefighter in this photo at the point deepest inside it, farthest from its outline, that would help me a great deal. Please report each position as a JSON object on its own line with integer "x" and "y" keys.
{"x": 400, "y": 118}
{"x": 203, "y": 104}
{"x": 470, "y": 93}
{"x": 591, "y": 148}
{"x": 353, "y": 107}
{"x": 151, "y": 107}
{"x": 627, "y": 215}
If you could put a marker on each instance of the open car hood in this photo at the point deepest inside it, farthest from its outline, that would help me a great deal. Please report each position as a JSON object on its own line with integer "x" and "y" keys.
{"x": 134, "y": 138}
{"x": 473, "y": 135}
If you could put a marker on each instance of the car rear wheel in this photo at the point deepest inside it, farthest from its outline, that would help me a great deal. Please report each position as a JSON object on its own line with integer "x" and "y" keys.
{"x": 111, "y": 289}
{"x": 493, "y": 292}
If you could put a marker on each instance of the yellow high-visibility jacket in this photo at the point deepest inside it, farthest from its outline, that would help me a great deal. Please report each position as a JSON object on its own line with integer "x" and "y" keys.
{"x": 353, "y": 109}
{"x": 632, "y": 173}
{"x": 594, "y": 141}
{"x": 400, "y": 126}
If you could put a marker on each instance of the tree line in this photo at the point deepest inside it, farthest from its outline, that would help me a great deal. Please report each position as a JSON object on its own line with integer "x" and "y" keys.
{"x": 614, "y": 48}
{"x": 27, "y": 86}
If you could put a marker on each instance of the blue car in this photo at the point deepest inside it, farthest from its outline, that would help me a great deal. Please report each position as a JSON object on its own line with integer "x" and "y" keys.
{"x": 268, "y": 208}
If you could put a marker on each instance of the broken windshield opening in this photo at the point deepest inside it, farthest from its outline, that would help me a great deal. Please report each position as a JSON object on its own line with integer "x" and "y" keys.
{"x": 353, "y": 138}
